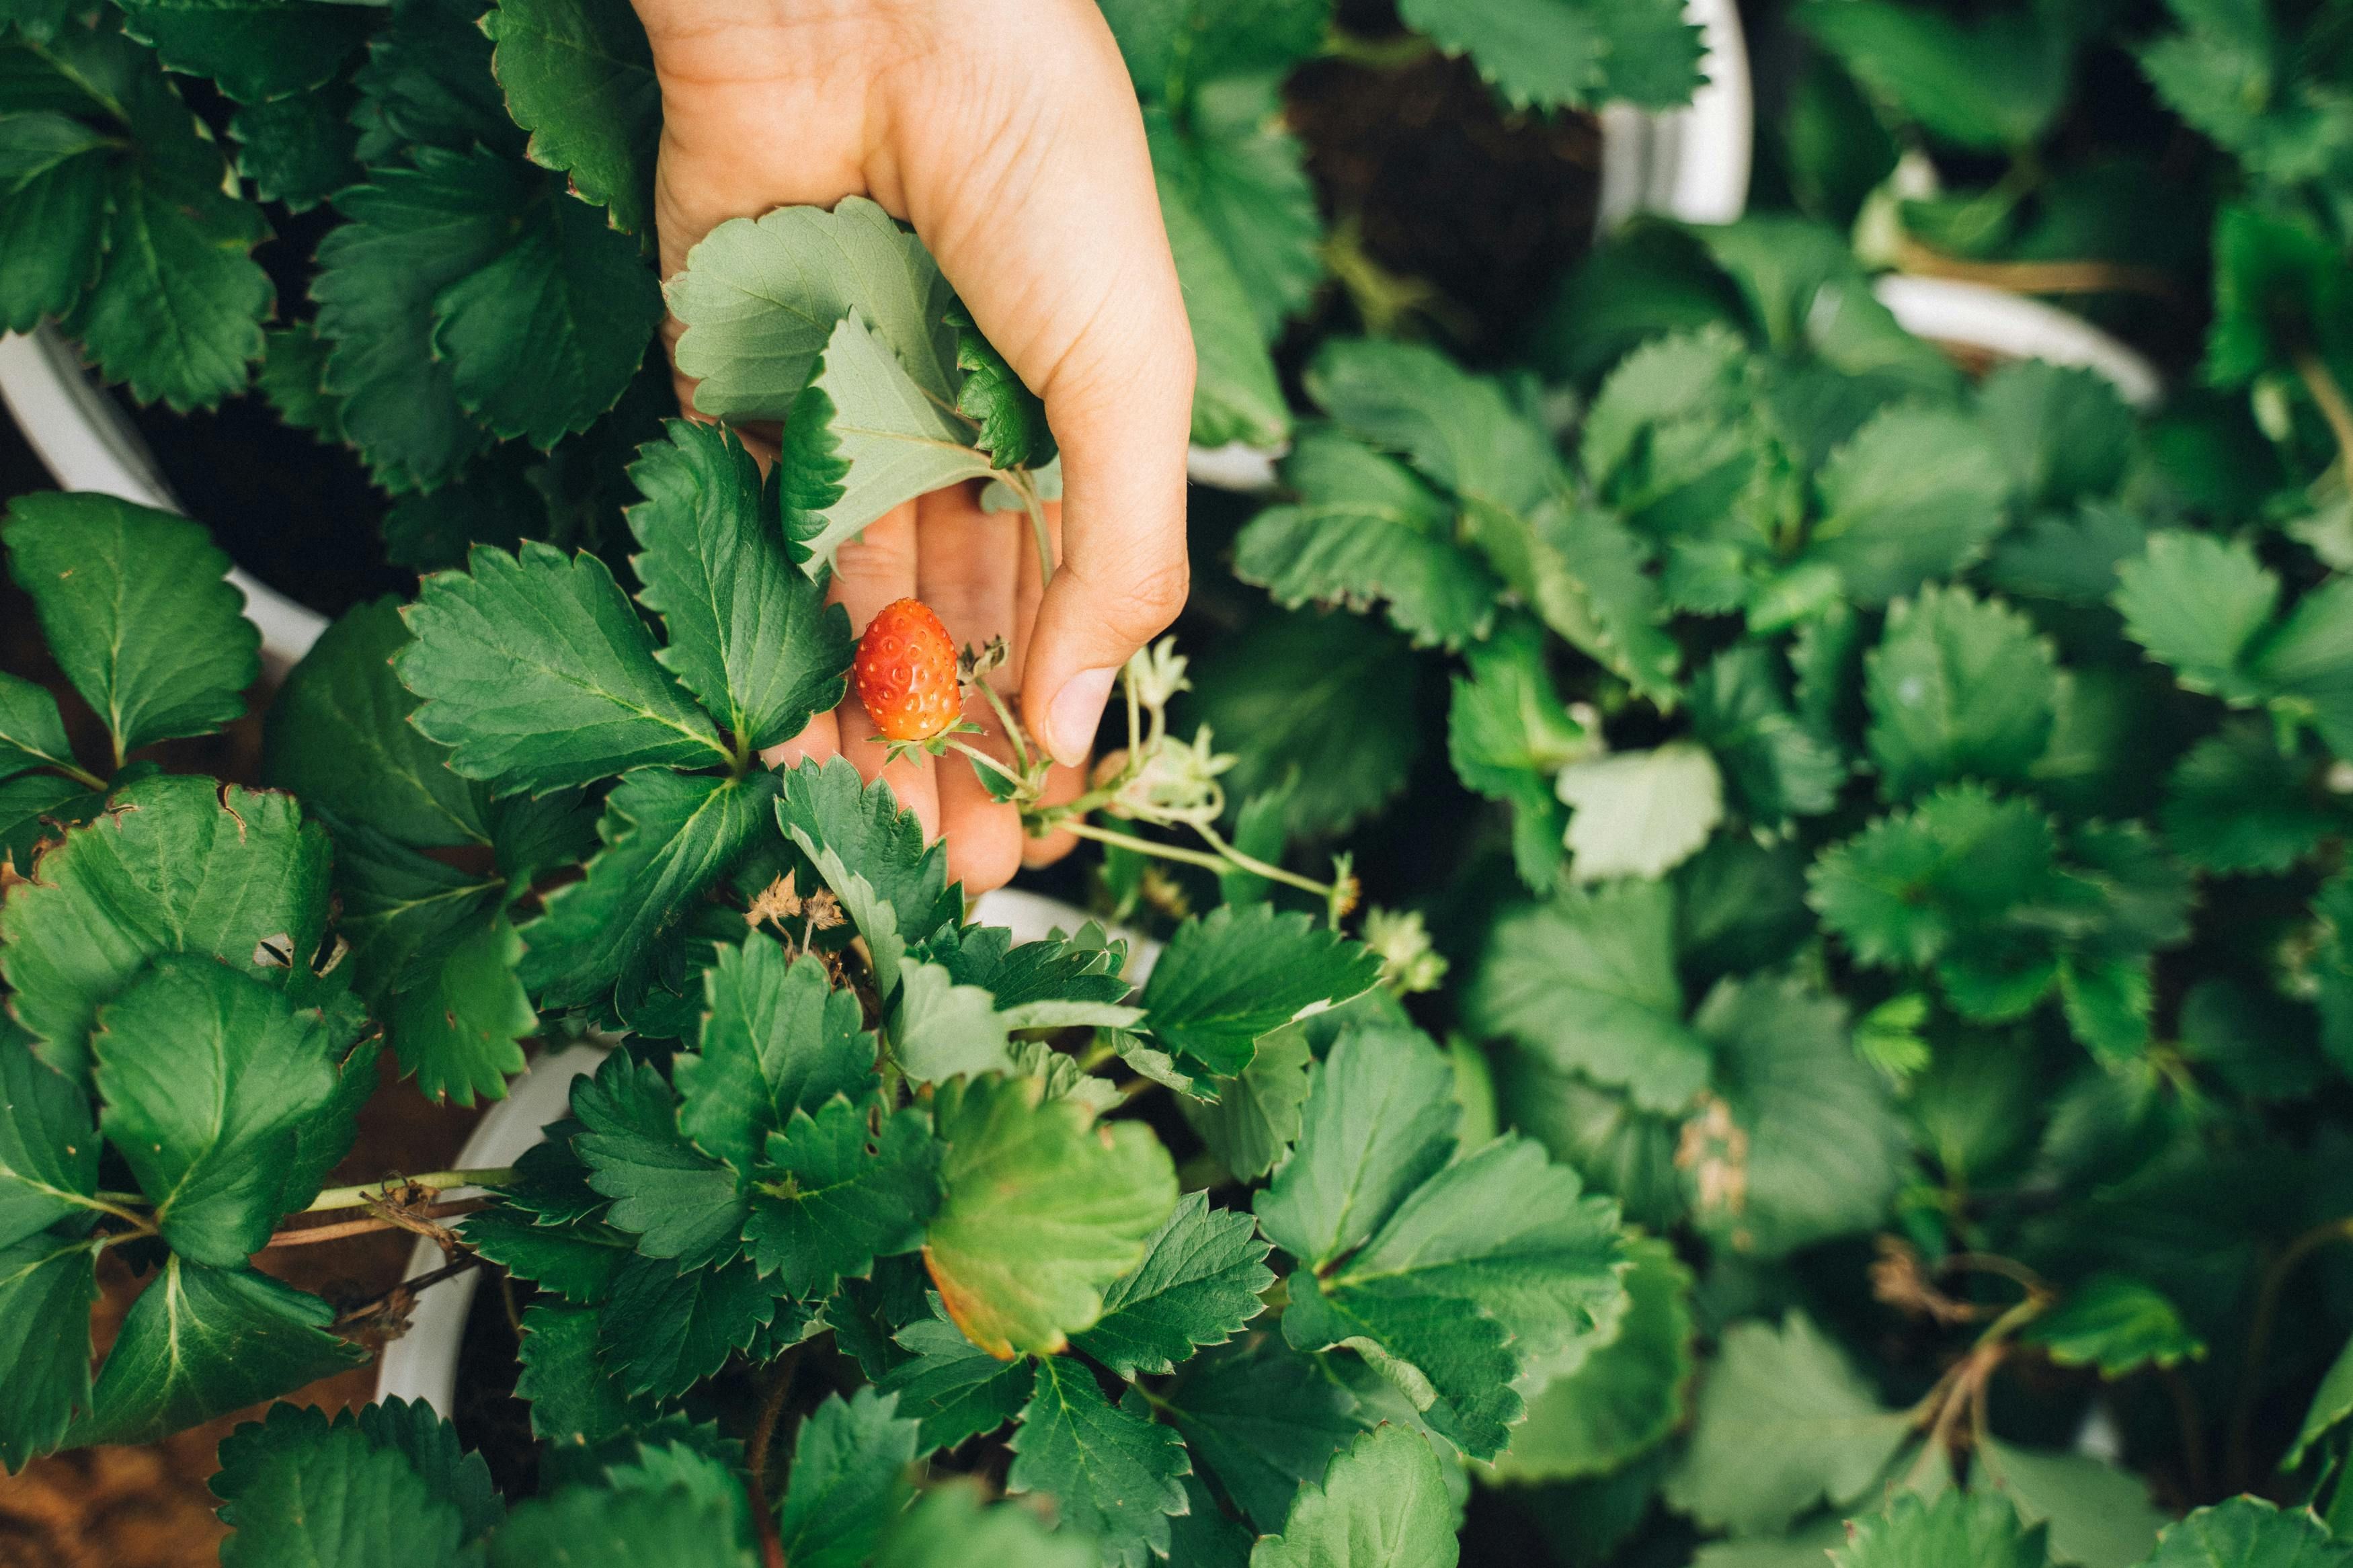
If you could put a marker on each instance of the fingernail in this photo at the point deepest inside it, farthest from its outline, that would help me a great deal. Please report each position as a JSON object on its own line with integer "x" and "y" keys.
{"x": 1077, "y": 710}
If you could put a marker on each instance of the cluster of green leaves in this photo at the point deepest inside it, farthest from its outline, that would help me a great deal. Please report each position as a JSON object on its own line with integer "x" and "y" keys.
{"x": 178, "y": 1018}
{"x": 1241, "y": 213}
{"x": 1927, "y": 790}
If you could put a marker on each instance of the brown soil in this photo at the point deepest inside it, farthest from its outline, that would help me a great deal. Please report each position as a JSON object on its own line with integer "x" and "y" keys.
{"x": 147, "y": 1507}
{"x": 1487, "y": 205}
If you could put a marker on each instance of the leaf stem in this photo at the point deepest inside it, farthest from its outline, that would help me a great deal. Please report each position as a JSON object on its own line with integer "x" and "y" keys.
{"x": 2239, "y": 1464}
{"x": 79, "y": 774}
{"x": 1019, "y": 481}
{"x": 393, "y": 1186}
{"x": 1374, "y": 54}
{"x": 982, "y": 759}
{"x": 2321, "y": 382}
{"x": 1257, "y": 867}
{"x": 307, "y": 1235}
{"x": 1013, "y": 734}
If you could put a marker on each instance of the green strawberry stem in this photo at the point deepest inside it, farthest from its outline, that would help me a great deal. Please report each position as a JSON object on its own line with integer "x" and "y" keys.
{"x": 436, "y": 1181}
{"x": 1226, "y": 858}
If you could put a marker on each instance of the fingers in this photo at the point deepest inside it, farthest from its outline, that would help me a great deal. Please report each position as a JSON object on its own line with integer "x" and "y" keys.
{"x": 1045, "y": 218}
{"x": 868, "y": 573}
{"x": 967, "y": 565}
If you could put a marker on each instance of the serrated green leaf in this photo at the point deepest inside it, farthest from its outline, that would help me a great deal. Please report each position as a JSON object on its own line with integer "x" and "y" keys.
{"x": 1783, "y": 1422}
{"x": 661, "y": 1331}
{"x": 1226, "y": 980}
{"x": 537, "y": 674}
{"x": 827, "y": 808}
{"x": 1627, "y": 1395}
{"x": 1992, "y": 85}
{"x": 1958, "y": 688}
{"x": 2199, "y": 604}
{"x": 2072, "y": 558}
{"x": 32, "y": 734}
{"x": 939, "y": 1028}
{"x": 761, "y": 299}
{"x": 546, "y": 337}
{"x": 1916, "y": 493}
{"x": 458, "y": 1031}
{"x": 136, "y": 613}
{"x": 180, "y": 254}
{"x": 1902, "y": 890}
{"x": 1365, "y": 529}
{"x": 1333, "y": 699}
{"x": 848, "y": 1482}
{"x": 49, "y": 1143}
{"x": 866, "y": 435}
{"x": 51, "y": 234}
{"x": 956, "y": 1389}
{"x": 1777, "y": 767}
{"x": 48, "y": 1285}
{"x": 2062, "y": 430}
{"x": 831, "y": 1195}
{"x": 1042, "y": 1211}
{"x": 680, "y": 1203}
{"x": 2118, "y": 1325}
{"x": 952, "y": 1526}
{"x": 1821, "y": 1151}
{"x": 254, "y": 49}
{"x": 293, "y": 378}
{"x": 1236, "y": 394}
{"x": 298, "y": 151}
{"x": 574, "y": 1402}
{"x": 297, "y": 1488}
{"x": 1493, "y": 1266}
{"x": 671, "y": 1527}
{"x": 578, "y": 1261}
{"x": 1379, "y": 1118}
{"x": 750, "y": 636}
{"x": 668, "y": 837}
{"x": 1457, "y": 428}
{"x": 2235, "y": 802}
{"x": 776, "y": 1037}
{"x": 1383, "y": 1504}
{"x": 1508, "y": 735}
{"x": 1198, "y": 1284}
{"x": 208, "y": 1076}
{"x": 2099, "y": 1515}
{"x": 200, "y": 1343}
{"x": 1012, "y": 418}
{"x": 174, "y": 864}
{"x": 1243, "y": 173}
{"x": 338, "y": 737}
{"x": 404, "y": 912}
{"x": 1640, "y": 813}
{"x": 1255, "y": 1118}
{"x": 1265, "y": 1419}
{"x": 1112, "y": 1471}
{"x": 579, "y": 76}
{"x": 1589, "y": 980}
{"x": 1557, "y": 53}
{"x": 1958, "y": 1530}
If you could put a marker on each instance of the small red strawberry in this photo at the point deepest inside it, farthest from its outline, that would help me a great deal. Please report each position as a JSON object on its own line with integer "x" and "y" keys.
{"x": 906, "y": 672}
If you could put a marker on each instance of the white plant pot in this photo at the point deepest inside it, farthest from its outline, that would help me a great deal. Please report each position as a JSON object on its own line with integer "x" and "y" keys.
{"x": 1690, "y": 164}
{"x": 423, "y": 1362}
{"x": 2011, "y": 327}
{"x": 87, "y": 444}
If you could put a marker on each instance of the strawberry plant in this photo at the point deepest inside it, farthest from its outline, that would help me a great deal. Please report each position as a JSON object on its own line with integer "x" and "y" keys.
{"x": 1846, "y": 1049}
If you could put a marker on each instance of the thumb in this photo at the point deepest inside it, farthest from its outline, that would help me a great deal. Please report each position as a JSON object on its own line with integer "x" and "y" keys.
{"x": 1065, "y": 266}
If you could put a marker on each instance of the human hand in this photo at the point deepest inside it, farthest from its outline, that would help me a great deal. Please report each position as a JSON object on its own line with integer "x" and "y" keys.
{"x": 1007, "y": 133}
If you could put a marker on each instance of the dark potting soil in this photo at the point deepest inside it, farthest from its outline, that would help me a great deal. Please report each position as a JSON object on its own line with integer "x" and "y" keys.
{"x": 294, "y": 511}
{"x": 1443, "y": 182}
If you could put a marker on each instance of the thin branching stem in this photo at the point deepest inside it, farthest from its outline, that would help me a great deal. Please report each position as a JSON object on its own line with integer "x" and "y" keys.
{"x": 391, "y": 1187}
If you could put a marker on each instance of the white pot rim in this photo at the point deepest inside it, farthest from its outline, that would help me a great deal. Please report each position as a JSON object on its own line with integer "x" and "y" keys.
{"x": 2015, "y": 327}
{"x": 1690, "y": 164}
{"x": 422, "y": 1364}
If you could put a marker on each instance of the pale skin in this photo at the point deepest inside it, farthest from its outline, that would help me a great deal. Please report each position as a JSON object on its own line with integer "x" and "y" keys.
{"x": 1006, "y": 133}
